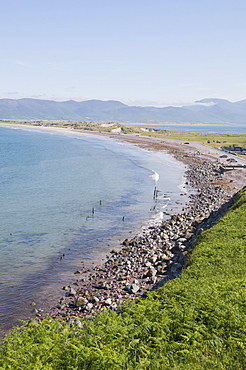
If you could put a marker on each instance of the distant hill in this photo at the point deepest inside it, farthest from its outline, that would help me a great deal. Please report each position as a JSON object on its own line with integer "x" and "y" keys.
{"x": 203, "y": 111}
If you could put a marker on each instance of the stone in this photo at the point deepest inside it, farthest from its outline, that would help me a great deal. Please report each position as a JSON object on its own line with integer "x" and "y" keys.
{"x": 80, "y": 301}
{"x": 154, "y": 258}
{"x": 102, "y": 285}
{"x": 79, "y": 324}
{"x": 148, "y": 264}
{"x": 72, "y": 292}
{"x": 89, "y": 306}
{"x": 153, "y": 280}
{"x": 108, "y": 301}
{"x": 127, "y": 287}
{"x": 60, "y": 306}
{"x": 151, "y": 272}
{"x": 94, "y": 299}
{"x": 134, "y": 288}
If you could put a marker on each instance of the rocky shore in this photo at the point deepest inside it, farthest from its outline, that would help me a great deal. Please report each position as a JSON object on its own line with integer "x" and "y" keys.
{"x": 153, "y": 257}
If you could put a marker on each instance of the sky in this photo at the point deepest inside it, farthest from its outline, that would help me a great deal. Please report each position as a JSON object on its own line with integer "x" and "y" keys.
{"x": 140, "y": 52}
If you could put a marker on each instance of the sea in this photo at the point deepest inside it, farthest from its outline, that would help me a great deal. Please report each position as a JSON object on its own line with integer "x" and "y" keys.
{"x": 225, "y": 128}
{"x": 66, "y": 201}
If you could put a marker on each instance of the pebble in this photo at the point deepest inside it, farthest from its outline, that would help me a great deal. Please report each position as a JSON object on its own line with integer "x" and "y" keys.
{"x": 156, "y": 255}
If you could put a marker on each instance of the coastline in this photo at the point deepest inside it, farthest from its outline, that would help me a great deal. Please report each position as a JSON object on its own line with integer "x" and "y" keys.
{"x": 158, "y": 254}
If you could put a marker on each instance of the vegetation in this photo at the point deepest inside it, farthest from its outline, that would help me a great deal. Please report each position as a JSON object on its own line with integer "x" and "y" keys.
{"x": 197, "y": 321}
{"x": 212, "y": 139}
{"x": 76, "y": 125}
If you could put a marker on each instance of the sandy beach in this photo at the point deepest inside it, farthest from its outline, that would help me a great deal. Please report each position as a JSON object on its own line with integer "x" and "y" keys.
{"x": 158, "y": 253}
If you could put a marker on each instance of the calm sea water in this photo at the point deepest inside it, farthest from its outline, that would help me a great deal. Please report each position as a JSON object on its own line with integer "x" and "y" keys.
{"x": 67, "y": 194}
{"x": 212, "y": 127}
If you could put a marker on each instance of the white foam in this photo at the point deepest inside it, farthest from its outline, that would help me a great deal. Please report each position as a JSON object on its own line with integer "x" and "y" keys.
{"x": 159, "y": 217}
{"x": 155, "y": 176}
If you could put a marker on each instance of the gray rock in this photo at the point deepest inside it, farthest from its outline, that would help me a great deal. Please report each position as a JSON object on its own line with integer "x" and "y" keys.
{"x": 72, "y": 292}
{"x": 134, "y": 288}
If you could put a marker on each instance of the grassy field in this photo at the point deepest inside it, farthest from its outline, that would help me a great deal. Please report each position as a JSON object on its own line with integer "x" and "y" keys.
{"x": 212, "y": 139}
{"x": 196, "y": 321}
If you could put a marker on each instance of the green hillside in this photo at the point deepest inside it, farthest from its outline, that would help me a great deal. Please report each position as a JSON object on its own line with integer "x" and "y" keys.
{"x": 197, "y": 321}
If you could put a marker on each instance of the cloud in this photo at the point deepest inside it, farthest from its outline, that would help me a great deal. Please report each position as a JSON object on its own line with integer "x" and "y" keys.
{"x": 20, "y": 63}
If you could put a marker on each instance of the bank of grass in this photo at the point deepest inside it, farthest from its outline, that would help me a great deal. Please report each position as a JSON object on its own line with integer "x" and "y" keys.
{"x": 197, "y": 321}
{"x": 215, "y": 140}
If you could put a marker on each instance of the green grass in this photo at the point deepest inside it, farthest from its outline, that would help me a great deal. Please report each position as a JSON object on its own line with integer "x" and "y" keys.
{"x": 212, "y": 139}
{"x": 197, "y": 321}
{"x": 76, "y": 125}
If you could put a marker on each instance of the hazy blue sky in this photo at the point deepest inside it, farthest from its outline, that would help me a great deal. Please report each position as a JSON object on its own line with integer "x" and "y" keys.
{"x": 136, "y": 51}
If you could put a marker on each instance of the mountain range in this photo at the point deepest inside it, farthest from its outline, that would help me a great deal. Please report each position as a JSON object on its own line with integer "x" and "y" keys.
{"x": 203, "y": 111}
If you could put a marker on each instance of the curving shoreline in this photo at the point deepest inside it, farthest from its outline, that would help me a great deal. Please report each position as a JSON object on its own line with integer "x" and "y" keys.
{"x": 159, "y": 253}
